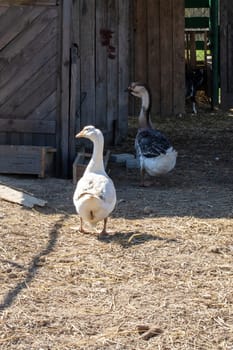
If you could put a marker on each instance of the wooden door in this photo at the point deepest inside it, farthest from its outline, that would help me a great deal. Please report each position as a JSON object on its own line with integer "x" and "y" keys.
{"x": 28, "y": 72}
{"x": 101, "y": 35}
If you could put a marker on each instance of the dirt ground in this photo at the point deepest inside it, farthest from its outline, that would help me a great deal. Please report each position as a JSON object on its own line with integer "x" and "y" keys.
{"x": 163, "y": 279}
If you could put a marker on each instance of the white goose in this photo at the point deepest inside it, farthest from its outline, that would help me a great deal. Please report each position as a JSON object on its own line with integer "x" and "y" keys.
{"x": 155, "y": 153}
{"x": 95, "y": 195}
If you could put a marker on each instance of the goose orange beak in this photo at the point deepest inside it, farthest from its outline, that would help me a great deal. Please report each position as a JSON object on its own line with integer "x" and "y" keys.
{"x": 80, "y": 134}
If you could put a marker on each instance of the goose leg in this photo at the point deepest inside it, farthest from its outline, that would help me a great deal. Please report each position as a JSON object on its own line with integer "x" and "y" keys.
{"x": 81, "y": 226}
{"x": 104, "y": 232}
{"x": 142, "y": 175}
{"x": 143, "y": 182}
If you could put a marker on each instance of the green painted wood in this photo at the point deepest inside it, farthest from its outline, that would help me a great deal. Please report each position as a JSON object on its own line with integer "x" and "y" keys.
{"x": 200, "y": 45}
{"x": 197, "y": 3}
{"x": 197, "y": 22}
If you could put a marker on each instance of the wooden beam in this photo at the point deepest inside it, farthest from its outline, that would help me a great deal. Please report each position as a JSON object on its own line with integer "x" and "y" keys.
{"x": 87, "y": 40}
{"x": 29, "y": 2}
{"x": 66, "y": 8}
{"x": 178, "y": 70}
{"x": 27, "y": 126}
{"x": 73, "y": 102}
{"x": 166, "y": 57}
{"x": 123, "y": 70}
{"x": 141, "y": 36}
{"x": 153, "y": 53}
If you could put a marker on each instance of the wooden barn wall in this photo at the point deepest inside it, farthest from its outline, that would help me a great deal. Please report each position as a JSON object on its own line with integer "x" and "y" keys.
{"x": 158, "y": 52}
{"x": 63, "y": 64}
{"x": 226, "y": 53}
{"x": 101, "y": 66}
{"x": 28, "y": 72}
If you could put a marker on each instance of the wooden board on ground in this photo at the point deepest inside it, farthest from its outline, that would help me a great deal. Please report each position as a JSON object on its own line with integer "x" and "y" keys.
{"x": 15, "y": 196}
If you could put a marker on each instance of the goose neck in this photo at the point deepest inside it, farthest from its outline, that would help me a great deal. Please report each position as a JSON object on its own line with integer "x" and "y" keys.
{"x": 146, "y": 101}
{"x": 96, "y": 163}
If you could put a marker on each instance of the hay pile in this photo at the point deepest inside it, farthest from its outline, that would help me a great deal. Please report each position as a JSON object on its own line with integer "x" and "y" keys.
{"x": 162, "y": 280}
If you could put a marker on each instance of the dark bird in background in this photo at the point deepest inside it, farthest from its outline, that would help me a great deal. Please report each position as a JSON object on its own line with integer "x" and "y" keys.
{"x": 194, "y": 78}
{"x": 153, "y": 150}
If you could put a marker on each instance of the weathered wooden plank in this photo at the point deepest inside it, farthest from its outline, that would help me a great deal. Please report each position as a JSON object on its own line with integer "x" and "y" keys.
{"x": 28, "y": 126}
{"x": 101, "y": 64}
{"x": 166, "y": 46}
{"x": 32, "y": 30}
{"x": 46, "y": 109}
{"x": 178, "y": 57}
{"x": 9, "y": 16}
{"x": 27, "y": 70}
{"x": 33, "y": 84}
{"x": 33, "y": 100}
{"x": 73, "y": 102}
{"x": 18, "y": 23}
{"x": 19, "y": 197}
{"x": 76, "y": 20}
{"x": 37, "y": 97}
{"x": 87, "y": 32}
{"x": 42, "y": 140}
{"x": 123, "y": 69}
{"x": 141, "y": 41}
{"x": 65, "y": 82}
{"x": 37, "y": 53}
{"x": 112, "y": 65}
{"x": 14, "y": 138}
{"x": 3, "y": 10}
{"x": 29, "y": 2}
{"x": 25, "y": 159}
{"x": 3, "y": 138}
{"x": 153, "y": 66}
{"x": 131, "y": 64}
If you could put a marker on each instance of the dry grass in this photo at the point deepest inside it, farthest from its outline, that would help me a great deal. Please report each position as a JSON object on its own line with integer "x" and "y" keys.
{"x": 162, "y": 280}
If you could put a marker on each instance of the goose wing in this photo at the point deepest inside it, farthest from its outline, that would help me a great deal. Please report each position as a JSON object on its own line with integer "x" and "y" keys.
{"x": 151, "y": 143}
{"x": 97, "y": 185}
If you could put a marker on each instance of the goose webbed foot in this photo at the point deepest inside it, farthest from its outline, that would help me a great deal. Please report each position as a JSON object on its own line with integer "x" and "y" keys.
{"x": 147, "y": 183}
{"x": 81, "y": 229}
{"x": 103, "y": 233}
{"x": 144, "y": 182}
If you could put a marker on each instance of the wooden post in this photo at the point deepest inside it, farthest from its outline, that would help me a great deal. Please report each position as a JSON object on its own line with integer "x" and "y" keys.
{"x": 123, "y": 69}
{"x": 66, "y": 7}
{"x": 73, "y": 102}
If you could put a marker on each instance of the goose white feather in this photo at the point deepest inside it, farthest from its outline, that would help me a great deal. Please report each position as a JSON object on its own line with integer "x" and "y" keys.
{"x": 95, "y": 195}
{"x": 154, "y": 151}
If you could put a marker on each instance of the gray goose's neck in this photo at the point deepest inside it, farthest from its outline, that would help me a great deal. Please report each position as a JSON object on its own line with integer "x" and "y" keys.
{"x": 144, "y": 116}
